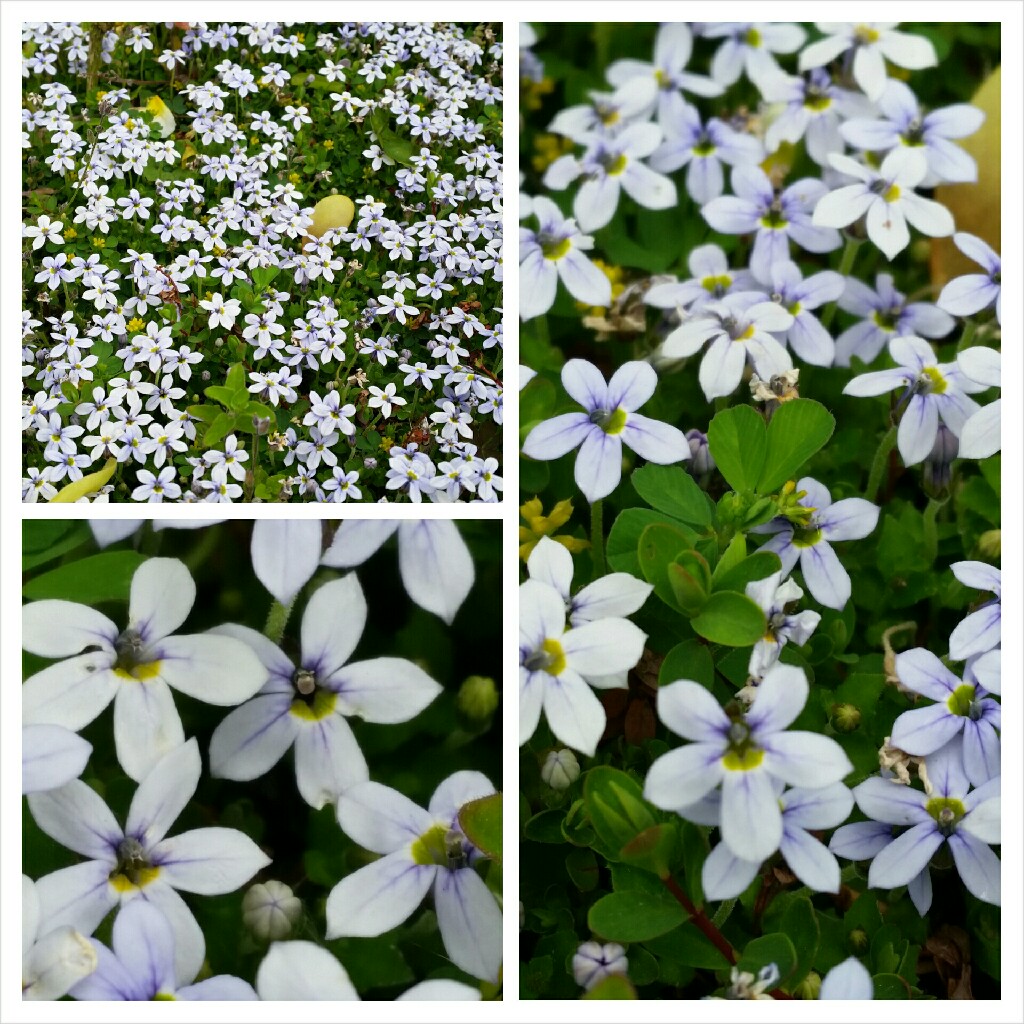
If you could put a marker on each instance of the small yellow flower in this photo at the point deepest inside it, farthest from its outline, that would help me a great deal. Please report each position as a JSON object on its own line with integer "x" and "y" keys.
{"x": 532, "y": 93}
{"x": 70, "y": 233}
{"x": 135, "y": 324}
{"x": 538, "y": 525}
{"x": 386, "y": 444}
{"x": 294, "y": 178}
{"x": 99, "y": 241}
{"x": 329, "y": 144}
{"x": 549, "y": 148}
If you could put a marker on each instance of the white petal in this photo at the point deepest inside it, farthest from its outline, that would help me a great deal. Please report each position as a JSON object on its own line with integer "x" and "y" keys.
{"x": 551, "y": 563}
{"x": 332, "y": 625}
{"x": 575, "y": 715}
{"x": 211, "y": 668}
{"x": 690, "y": 711}
{"x": 613, "y": 596}
{"x": 887, "y": 227}
{"x": 436, "y": 566}
{"x": 209, "y": 861}
{"x": 356, "y": 541}
{"x": 598, "y": 465}
{"x": 285, "y": 554}
{"x": 56, "y": 963}
{"x": 146, "y": 725}
{"x": 600, "y": 648}
{"x": 29, "y": 913}
{"x": 327, "y": 760}
{"x": 805, "y": 759}
{"x": 584, "y": 281}
{"x": 189, "y": 942}
{"x": 817, "y": 808}
{"x": 541, "y": 614}
{"x": 905, "y": 856}
{"x": 985, "y": 821}
{"x": 252, "y": 738}
{"x": 300, "y": 970}
{"x": 50, "y": 757}
{"x": 143, "y": 942}
{"x": 163, "y": 794}
{"x": 110, "y": 531}
{"x": 683, "y": 776}
{"x": 379, "y": 818}
{"x": 163, "y": 593}
{"x": 751, "y": 820}
{"x": 470, "y": 922}
{"x": 71, "y": 693}
{"x": 780, "y": 698}
{"x": 76, "y": 816}
{"x": 981, "y": 435}
{"x": 848, "y": 980}
{"x": 79, "y": 896}
{"x": 379, "y": 897}
{"x": 655, "y": 441}
{"x": 842, "y": 207}
{"x": 56, "y": 629}
{"x": 456, "y": 791}
{"x": 810, "y": 861}
{"x": 440, "y": 989}
{"x": 725, "y": 875}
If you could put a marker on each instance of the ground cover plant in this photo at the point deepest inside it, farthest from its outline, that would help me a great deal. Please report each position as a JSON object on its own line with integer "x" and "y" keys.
{"x": 760, "y": 539}
{"x": 261, "y": 760}
{"x": 262, "y": 262}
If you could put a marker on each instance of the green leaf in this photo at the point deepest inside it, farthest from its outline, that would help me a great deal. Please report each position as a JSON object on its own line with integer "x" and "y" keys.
{"x": 753, "y": 567}
{"x": 615, "y": 806}
{"x": 545, "y": 827}
{"x": 624, "y": 537}
{"x": 581, "y": 866}
{"x": 235, "y": 379}
{"x": 615, "y": 986}
{"x": 219, "y": 429}
{"x": 800, "y": 923}
{"x": 47, "y": 539}
{"x": 657, "y": 550}
{"x": 481, "y": 822}
{"x": 688, "y": 590}
{"x": 221, "y": 394}
{"x": 769, "y": 949}
{"x": 890, "y": 986}
{"x": 634, "y": 916}
{"x": 731, "y": 619}
{"x": 672, "y": 490}
{"x": 371, "y": 963}
{"x": 738, "y": 441}
{"x": 204, "y": 413}
{"x": 652, "y": 850}
{"x": 262, "y": 276}
{"x": 689, "y": 660}
{"x": 103, "y": 577}
{"x": 731, "y": 556}
{"x": 796, "y": 431}
{"x": 689, "y": 945}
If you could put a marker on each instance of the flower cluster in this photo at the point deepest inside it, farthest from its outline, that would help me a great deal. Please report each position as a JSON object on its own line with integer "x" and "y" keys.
{"x": 760, "y": 327}
{"x": 207, "y": 316}
{"x": 135, "y": 862}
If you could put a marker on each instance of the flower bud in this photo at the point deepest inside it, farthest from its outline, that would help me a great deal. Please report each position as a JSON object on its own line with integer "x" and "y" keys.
{"x": 260, "y": 424}
{"x": 476, "y": 702}
{"x": 809, "y": 988}
{"x": 369, "y": 462}
{"x": 701, "y": 461}
{"x": 592, "y": 963}
{"x": 937, "y": 469}
{"x": 845, "y": 717}
{"x": 858, "y": 940}
{"x": 269, "y": 910}
{"x": 990, "y": 544}
{"x": 560, "y": 769}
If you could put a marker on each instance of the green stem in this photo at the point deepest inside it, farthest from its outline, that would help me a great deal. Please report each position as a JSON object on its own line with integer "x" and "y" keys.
{"x": 845, "y": 266}
{"x": 277, "y": 619}
{"x": 880, "y": 463}
{"x": 930, "y": 529}
{"x": 967, "y": 337}
{"x": 597, "y": 538}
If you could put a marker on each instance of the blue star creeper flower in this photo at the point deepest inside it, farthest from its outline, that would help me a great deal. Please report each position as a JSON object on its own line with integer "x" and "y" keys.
{"x": 934, "y": 391}
{"x": 421, "y": 849}
{"x": 307, "y": 705}
{"x": 745, "y": 752}
{"x": 609, "y": 422}
{"x": 961, "y": 708}
{"x": 809, "y": 545}
{"x": 968, "y": 820}
{"x": 982, "y": 629}
{"x": 135, "y": 667}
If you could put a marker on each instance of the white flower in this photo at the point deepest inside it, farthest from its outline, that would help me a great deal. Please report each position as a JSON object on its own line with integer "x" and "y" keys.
{"x": 421, "y": 849}
{"x": 135, "y": 667}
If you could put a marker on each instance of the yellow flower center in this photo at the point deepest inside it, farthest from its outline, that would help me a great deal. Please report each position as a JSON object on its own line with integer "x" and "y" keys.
{"x": 318, "y": 707}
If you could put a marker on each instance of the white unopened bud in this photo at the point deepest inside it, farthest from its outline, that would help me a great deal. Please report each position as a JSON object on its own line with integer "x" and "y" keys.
{"x": 560, "y": 769}
{"x": 269, "y": 910}
{"x": 593, "y": 962}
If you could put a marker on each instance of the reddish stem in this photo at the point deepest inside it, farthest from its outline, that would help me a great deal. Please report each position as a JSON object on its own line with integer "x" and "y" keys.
{"x": 700, "y": 919}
